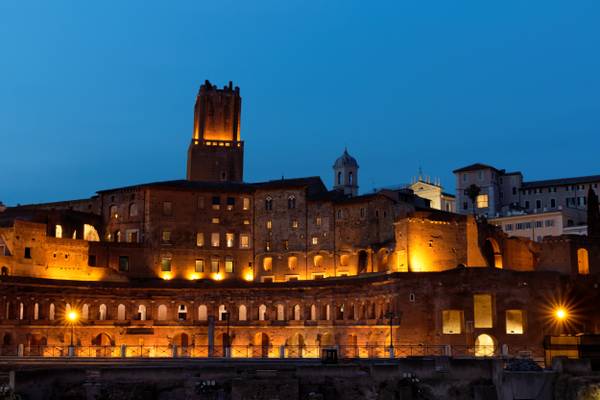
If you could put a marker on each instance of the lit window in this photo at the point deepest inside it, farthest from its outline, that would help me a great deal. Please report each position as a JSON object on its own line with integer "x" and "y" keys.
{"x": 482, "y": 201}
{"x": 514, "y": 322}
{"x": 230, "y": 203}
{"x": 267, "y": 264}
{"x": 244, "y": 241}
{"x": 166, "y": 236}
{"x": 318, "y": 221}
{"x": 246, "y": 203}
{"x": 215, "y": 220}
{"x": 268, "y": 245}
{"x": 229, "y": 264}
{"x": 131, "y": 235}
{"x": 315, "y": 240}
{"x": 199, "y": 239}
{"x": 199, "y": 266}
{"x": 216, "y": 203}
{"x": 229, "y": 239}
{"x": 165, "y": 264}
{"x": 58, "y": 231}
{"x": 269, "y": 224}
{"x": 292, "y": 262}
{"x": 215, "y": 239}
{"x": 246, "y": 222}
{"x": 214, "y": 265}
{"x": 583, "y": 264}
{"x": 318, "y": 261}
{"x": 167, "y": 208}
{"x": 294, "y": 224}
{"x": 451, "y": 322}
{"x": 482, "y": 307}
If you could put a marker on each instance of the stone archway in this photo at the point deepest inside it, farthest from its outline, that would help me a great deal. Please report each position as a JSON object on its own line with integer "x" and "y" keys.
{"x": 491, "y": 253}
{"x": 261, "y": 345}
{"x": 485, "y": 345}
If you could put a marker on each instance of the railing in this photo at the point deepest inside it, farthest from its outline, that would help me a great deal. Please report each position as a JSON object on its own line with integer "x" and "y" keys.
{"x": 267, "y": 351}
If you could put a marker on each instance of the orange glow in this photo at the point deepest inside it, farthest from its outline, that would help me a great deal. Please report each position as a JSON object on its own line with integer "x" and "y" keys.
{"x": 167, "y": 276}
{"x": 248, "y": 276}
{"x": 218, "y": 276}
{"x": 561, "y": 314}
{"x": 194, "y": 276}
{"x": 72, "y": 316}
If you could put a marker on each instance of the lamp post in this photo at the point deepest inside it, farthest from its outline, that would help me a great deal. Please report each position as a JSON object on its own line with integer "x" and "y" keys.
{"x": 72, "y": 317}
{"x": 390, "y": 315}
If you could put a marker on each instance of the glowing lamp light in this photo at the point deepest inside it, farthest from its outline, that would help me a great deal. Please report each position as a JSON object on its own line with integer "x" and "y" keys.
{"x": 194, "y": 277}
{"x": 72, "y": 316}
{"x": 248, "y": 276}
{"x": 167, "y": 276}
{"x": 561, "y": 314}
{"x": 218, "y": 276}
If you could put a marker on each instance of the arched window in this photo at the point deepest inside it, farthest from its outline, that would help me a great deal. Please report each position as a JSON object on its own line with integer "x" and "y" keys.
{"x": 36, "y": 311}
{"x": 142, "y": 312}
{"x": 121, "y": 312}
{"x": 280, "y": 312}
{"x": 58, "y": 231}
{"x": 21, "y": 311}
{"x": 262, "y": 312}
{"x": 182, "y": 312}
{"x": 350, "y": 178}
{"x": 242, "y": 314}
{"x": 90, "y": 233}
{"x": 202, "y": 312}
{"x": 291, "y": 202}
{"x": 133, "y": 210}
{"x": 297, "y": 312}
{"x": 267, "y": 264}
{"x": 313, "y": 312}
{"x": 339, "y": 178}
{"x": 102, "y": 312}
{"x": 268, "y": 203}
{"x": 113, "y": 211}
{"x": 85, "y": 311}
{"x": 4, "y": 271}
{"x": 162, "y": 312}
{"x": 318, "y": 261}
{"x": 51, "y": 312}
{"x": 328, "y": 312}
{"x": 583, "y": 266}
{"x": 222, "y": 313}
{"x": 292, "y": 262}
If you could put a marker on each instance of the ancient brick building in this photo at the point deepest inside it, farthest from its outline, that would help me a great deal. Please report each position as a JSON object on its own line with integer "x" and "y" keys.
{"x": 286, "y": 267}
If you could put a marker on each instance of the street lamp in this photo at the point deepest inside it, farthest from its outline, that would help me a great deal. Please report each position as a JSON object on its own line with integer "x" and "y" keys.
{"x": 72, "y": 318}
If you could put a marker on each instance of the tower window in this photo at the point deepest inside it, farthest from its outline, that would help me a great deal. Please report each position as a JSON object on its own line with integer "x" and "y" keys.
{"x": 292, "y": 202}
{"x": 339, "y": 178}
{"x": 350, "y": 178}
{"x": 269, "y": 203}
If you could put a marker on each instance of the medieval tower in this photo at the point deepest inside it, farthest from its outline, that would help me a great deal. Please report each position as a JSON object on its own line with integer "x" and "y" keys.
{"x": 216, "y": 153}
{"x": 345, "y": 174}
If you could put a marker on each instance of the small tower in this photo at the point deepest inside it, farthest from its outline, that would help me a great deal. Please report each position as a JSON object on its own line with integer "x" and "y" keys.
{"x": 345, "y": 174}
{"x": 216, "y": 152}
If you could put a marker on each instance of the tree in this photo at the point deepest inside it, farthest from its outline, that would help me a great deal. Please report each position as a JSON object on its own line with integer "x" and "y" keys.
{"x": 472, "y": 192}
{"x": 593, "y": 214}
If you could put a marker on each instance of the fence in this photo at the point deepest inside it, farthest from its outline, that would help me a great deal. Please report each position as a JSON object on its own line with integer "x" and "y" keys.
{"x": 267, "y": 351}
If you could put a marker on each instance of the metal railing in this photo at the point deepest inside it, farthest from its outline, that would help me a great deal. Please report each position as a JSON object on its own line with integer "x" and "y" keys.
{"x": 267, "y": 351}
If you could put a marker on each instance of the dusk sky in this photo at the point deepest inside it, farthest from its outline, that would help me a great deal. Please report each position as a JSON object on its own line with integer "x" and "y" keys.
{"x": 96, "y": 95}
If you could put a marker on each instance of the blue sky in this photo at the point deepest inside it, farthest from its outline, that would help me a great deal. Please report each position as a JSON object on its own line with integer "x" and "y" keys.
{"x": 95, "y": 95}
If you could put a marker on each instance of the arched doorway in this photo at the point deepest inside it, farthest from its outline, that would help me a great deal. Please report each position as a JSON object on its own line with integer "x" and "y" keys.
{"x": 104, "y": 345}
{"x": 295, "y": 346}
{"x": 485, "y": 346}
{"x": 363, "y": 261}
{"x": 261, "y": 345}
{"x": 492, "y": 254}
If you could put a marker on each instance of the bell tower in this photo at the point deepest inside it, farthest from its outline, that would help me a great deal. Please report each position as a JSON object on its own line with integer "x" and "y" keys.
{"x": 216, "y": 153}
{"x": 345, "y": 174}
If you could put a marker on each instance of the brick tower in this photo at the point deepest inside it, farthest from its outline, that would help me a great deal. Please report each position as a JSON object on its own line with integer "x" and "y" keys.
{"x": 216, "y": 152}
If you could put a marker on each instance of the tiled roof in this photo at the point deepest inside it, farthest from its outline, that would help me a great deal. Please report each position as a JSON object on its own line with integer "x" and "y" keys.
{"x": 562, "y": 181}
{"x": 475, "y": 167}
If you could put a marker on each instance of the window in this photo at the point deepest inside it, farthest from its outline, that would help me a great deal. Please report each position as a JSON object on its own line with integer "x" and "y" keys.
{"x": 480, "y": 175}
{"x": 200, "y": 239}
{"x": 58, "y": 231}
{"x": 527, "y": 204}
{"x": 123, "y": 263}
{"x": 315, "y": 240}
{"x": 294, "y": 224}
{"x": 482, "y": 307}
{"x": 230, "y": 203}
{"x": 215, "y": 239}
{"x": 508, "y": 227}
{"x": 292, "y": 202}
{"x": 244, "y": 241}
{"x": 216, "y": 203}
{"x": 339, "y": 178}
{"x": 166, "y": 236}
{"x": 229, "y": 239}
{"x": 229, "y": 264}
{"x": 514, "y": 322}
{"x": 583, "y": 266}
{"x": 362, "y": 212}
{"x": 27, "y": 252}
{"x": 452, "y": 322}
{"x": 538, "y": 204}
{"x": 215, "y": 220}
{"x": 165, "y": 264}
{"x": 246, "y": 222}
{"x": 464, "y": 177}
{"x": 482, "y": 201}
{"x": 199, "y": 267}
{"x": 113, "y": 211}
{"x": 318, "y": 221}
{"x": 549, "y": 223}
{"x": 269, "y": 224}
{"x": 269, "y": 203}
{"x": 553, "y": 203}
{"x": 133, "y": 210}
{"x": 318, "y": 261}
{"x": 167, "y": 208}
{"x": 214, "y": 265}
{"x": 292, "y": 262}
{"x": 92, "y": 260}
{"x": 286, "y": 244}
{"x": 245, "y": 203}
{"x": 201, "y": 202}
{"x": 267, "y": 264}
{"x": 539, "y": 224}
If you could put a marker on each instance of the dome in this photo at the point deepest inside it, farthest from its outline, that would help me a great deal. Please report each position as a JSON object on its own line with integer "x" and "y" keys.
{"x": 346, "y": 160}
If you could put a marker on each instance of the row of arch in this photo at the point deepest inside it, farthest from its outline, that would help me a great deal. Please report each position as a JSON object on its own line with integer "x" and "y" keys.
{"x": 324, "y": 311}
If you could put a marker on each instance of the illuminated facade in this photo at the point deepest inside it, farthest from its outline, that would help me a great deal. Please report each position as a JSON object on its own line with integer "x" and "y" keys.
{"x": 286, "y": 266}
